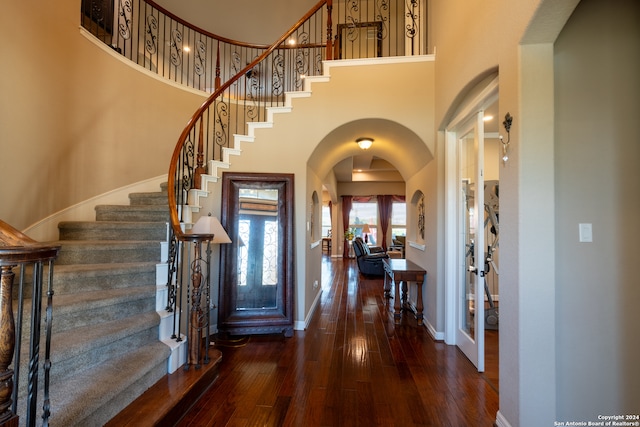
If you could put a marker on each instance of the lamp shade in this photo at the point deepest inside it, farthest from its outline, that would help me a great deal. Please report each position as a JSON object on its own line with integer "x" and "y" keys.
{"x": 211, "y": 225}
{"x": 366, "y": 229}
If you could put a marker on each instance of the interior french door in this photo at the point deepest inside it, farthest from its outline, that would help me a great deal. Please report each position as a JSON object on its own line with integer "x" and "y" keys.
{"x": 470, "y": 233}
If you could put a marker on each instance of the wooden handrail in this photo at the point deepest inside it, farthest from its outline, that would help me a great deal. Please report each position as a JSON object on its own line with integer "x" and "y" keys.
{"x": 173, "y": 207}
{"x": 16, "y": 247}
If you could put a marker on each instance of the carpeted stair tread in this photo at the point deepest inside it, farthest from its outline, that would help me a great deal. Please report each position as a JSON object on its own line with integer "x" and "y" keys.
{"x": 107, "y": 251}
{"x": 99, "y": 306}
{"x": 90, "y": 277}
{"x": 74, "y": 278}
{"x": 93, "y": 396}
{"x": 113, "y": 230}
{"x": 149, "y": 198}
{"x": 73, "y": 342}
{"x": 132, "y": 213}
{"x": 90, "y": 308}
{"x": 86, "y": 346}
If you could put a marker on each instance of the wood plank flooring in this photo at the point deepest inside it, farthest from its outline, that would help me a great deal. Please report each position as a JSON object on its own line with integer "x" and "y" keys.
{"x": 352, "y": 367}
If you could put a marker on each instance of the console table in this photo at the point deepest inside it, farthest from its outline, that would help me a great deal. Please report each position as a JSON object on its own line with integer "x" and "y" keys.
{"x": 400, "y": 272}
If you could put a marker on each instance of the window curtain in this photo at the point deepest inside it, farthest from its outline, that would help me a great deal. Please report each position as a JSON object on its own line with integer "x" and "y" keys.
{"x": 331, "y": 218}
{"x": 346, "y": 210}
{"x": 385, "y": 203}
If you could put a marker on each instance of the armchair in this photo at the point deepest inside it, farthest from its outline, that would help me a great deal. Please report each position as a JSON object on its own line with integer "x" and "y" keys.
{"x": 369, "y": 263}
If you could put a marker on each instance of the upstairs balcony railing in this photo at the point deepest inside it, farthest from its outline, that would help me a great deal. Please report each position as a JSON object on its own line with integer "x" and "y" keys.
{"x": 154, "y": 38}
{"x": 245, "y": 80}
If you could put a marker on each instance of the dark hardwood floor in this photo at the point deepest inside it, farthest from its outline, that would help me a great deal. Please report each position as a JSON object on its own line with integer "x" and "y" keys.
{"x": 352, "y": 367}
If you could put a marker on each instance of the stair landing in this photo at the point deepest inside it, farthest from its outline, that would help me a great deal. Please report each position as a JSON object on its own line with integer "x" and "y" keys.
{"x": 171, "y": 397}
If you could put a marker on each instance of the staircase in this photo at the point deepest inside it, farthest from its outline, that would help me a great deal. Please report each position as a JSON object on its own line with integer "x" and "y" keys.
{"x": 106, "y": 347}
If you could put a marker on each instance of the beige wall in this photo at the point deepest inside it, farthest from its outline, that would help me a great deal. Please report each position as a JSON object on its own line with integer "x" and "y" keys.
{"x": 597, "y": 67}
{"x": 311, "y": 139}
{"x": 567, "y": 337}
{"x": 74, "y": 122}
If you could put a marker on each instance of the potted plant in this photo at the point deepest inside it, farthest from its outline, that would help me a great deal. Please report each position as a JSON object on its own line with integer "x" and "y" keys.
{"x": 349, "y": 234}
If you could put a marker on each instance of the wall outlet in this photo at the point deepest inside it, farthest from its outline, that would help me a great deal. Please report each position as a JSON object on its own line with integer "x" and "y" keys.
{"x": 315, "y": 284}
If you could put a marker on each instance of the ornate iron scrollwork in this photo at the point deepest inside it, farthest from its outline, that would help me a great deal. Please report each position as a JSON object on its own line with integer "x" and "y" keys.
{"x": 221, "y": 115}
{"x": 201, "y": 58}
{"x": 176, "y": 47}
{"x": 302, "y": 60}
{"x": 382, "y": 6}
{"x": 188, "y": 166}
{"x": 253, "y": 91}
{"x": 124, "y": 18}
{"x": 172, "y": 264}
{"x": 277, "y": 84}
{"x": 151, "y": 35}
{"x": 411, "y": 14}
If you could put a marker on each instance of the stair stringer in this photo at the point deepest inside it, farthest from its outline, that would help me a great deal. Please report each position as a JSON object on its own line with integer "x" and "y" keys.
{"x": 215, "y": 167}
{"x": 178, "y": 349}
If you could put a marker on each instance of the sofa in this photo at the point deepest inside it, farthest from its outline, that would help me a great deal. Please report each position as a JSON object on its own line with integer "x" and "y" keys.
{"x": 369, "y": 260}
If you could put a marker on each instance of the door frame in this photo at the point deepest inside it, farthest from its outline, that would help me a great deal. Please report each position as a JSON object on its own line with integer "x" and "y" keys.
{"x": 453, "y": 131}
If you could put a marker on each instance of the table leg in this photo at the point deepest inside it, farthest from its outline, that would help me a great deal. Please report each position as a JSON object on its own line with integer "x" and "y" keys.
{"x": 419, "y": 304}
{"x": 387, "y": 286}
{"x": 397, "y": 308}
{"x": 405, "y": 299}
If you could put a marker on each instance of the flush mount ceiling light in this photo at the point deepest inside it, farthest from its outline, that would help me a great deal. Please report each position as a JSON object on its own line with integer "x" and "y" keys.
{"x": 364, "y": 143}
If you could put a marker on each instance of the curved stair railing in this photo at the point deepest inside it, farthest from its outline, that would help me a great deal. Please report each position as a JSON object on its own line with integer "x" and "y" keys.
{"x": 211, "y": 135}
{"x": 34, "y": 260}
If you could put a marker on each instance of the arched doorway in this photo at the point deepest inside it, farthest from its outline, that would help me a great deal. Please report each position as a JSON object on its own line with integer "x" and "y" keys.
{"x": 472, "y": 229}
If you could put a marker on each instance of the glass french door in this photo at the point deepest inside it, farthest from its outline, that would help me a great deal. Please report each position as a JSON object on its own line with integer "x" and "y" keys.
{"x": 470, "y": 265}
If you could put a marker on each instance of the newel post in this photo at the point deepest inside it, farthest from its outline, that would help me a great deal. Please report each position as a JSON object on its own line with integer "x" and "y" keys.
{"x": 7, "y": 344}
{"x": 199, "y": 298}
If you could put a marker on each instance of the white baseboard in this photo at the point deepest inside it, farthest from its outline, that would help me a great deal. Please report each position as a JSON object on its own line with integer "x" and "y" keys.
{"x": 301, "y": 326}
{"x": 501, "y": 421}
{"x": 438, "y": 336}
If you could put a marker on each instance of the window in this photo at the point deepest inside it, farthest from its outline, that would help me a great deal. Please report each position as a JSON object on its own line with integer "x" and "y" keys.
{"x": 365, "y": 213}
{"x": 398, "y": 219}
{"x": 326, "y": 221}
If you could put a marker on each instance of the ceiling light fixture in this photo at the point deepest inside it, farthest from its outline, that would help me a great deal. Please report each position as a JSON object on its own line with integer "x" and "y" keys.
{"x": 365, "y": 143}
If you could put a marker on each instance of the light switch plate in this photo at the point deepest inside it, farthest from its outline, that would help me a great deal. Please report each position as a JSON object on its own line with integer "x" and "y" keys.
{"x": 585, "y": 232}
